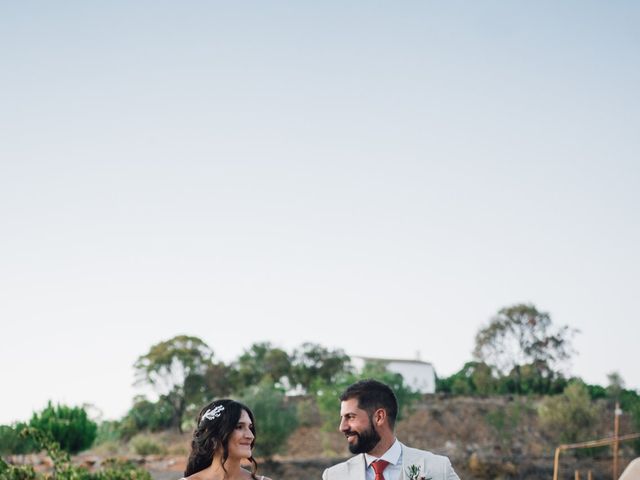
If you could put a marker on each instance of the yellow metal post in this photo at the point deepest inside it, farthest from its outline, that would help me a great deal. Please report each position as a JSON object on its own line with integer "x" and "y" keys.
{"x": 616, "y": 429}
{"x": 593, "y": 443}
{"x": 556, "y": 465}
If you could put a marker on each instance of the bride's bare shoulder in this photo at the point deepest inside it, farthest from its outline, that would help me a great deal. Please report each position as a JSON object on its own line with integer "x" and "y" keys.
{"x": 195, "y": 476}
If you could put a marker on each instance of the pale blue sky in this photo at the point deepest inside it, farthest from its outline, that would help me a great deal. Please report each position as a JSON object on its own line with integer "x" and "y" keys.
{"x": 379, "y": 177}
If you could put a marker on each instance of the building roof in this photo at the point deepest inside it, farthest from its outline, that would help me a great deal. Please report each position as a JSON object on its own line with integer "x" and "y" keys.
{"x": 387, "y": 360}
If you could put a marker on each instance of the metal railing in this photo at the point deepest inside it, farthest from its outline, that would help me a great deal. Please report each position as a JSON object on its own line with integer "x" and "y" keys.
{"x": 593, "y": 443}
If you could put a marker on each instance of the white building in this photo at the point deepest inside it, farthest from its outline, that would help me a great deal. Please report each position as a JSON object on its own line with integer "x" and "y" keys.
{"x": 417, "y": 374}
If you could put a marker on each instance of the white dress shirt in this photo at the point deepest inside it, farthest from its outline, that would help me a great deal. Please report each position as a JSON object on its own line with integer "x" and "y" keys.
{"x": 393, "y": 456}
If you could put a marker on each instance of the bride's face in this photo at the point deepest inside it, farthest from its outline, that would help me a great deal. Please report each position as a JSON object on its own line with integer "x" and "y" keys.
{"x": 241, "y": 438}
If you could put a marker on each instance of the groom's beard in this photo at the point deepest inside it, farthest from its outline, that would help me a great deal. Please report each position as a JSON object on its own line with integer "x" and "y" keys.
{"x": 367, "y": 440}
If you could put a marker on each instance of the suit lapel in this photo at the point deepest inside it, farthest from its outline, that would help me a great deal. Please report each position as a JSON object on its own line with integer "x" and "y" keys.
{"x": 356, "y": 468}
{"x": 411, "y": 457}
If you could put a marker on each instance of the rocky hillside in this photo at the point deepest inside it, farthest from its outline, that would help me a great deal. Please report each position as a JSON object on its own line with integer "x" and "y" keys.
{"x": 486, "y": 438}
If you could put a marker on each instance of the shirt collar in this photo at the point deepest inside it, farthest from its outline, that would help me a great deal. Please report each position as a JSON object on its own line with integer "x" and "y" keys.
{"x": 392, "y": 455}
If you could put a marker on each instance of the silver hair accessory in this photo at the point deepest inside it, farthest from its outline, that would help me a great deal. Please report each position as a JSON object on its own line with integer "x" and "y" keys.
{"x": 213, "y": 413}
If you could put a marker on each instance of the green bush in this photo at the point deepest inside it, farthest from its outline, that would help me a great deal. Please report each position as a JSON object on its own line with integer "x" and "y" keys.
{"x": 68, "y": 426}
{"x": 11, "y": 442}
{"x": 630, "y": 403}
{"x": 63, "y": 469}
{"x": 569, "y": 417}
{"x": 275, "y": 417}
{"x": 114, "y": 469}
{"x": 10, "y": 472}
{"x": 146, "y": 415}
{"x": 596, "y": 392}
{"x": 108, "y": 431}
{"x": 307, "y": 412}
{"x": 145, "y": 445}
{"x": 478, "y": 378}
{"x": 505, "y": 421}
{"x": 474, "y": 378}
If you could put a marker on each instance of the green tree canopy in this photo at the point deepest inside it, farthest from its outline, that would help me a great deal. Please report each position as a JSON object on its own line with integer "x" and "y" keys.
{"x": 176, "y": 370}
{"x": 275, "y": 417}
{"x": 220, "y": 379}
{"x": 474, "y": 378}
{"x": 522, "y": 335}
{"x": 262, "y": 361}
{"x": 313, "y": 362}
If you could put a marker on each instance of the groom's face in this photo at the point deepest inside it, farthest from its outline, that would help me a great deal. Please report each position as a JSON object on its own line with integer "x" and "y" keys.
{"x": 357, "y": 425}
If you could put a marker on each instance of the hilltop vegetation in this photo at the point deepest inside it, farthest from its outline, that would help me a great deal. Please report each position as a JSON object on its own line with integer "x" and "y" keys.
{"x": 514, "y": 381}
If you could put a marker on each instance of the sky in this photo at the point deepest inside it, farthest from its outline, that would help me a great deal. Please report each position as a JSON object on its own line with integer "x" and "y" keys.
{"x": 376, "y": 177}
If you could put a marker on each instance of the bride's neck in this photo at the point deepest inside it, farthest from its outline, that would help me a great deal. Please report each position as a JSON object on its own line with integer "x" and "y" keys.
{"x": 232, "y": 470}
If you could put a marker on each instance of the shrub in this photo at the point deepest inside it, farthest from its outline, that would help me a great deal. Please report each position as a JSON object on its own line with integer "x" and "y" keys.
{"x": 114, "y": 469}
{"x": 68, "y": 426}
{"x": 474, "y": 378}
{"x": 146, "y": 415}
{"x": 307, "y": 412}
{"x": 10, "y": 472}
{"x": 569, "y": 417}
{"x": 630, "y": 402}
{"x": 11, "y": 442}
{"x": 275, "y": 417}
{"x": 108, "y": 431}
{"x": 63, "y": 469}
{"x": 145, "y": 445}
{"x": 505, "y": 421}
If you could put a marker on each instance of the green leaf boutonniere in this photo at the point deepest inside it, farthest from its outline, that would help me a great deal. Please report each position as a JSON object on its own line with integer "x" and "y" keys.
{"x": 413, "y": 473}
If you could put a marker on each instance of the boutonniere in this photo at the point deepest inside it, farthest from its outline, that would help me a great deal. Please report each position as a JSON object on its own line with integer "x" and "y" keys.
{"x": 413, "y": 472}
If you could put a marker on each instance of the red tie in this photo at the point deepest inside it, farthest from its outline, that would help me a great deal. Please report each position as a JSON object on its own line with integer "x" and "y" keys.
{"x": 378, "y": 467}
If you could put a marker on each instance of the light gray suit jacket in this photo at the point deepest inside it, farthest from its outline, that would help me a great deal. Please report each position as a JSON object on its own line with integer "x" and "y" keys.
{"x": 436, "y": 467}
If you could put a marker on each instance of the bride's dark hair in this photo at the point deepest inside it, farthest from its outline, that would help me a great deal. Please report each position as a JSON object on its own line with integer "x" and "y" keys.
{"x": 216, "y": 422}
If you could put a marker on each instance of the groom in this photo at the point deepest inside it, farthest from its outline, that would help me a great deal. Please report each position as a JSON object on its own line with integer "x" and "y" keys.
{"x": 368, "y": 411}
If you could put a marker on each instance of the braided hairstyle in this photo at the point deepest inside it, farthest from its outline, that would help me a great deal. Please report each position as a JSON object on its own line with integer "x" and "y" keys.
{"x": 210, "y": 433}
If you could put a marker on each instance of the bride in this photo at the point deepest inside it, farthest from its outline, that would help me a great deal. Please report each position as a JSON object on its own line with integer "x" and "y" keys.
{"x": 222, "y": 442}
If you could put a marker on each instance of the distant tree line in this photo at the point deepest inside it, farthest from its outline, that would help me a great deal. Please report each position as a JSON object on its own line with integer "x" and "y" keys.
{"x": 519, "y": 352}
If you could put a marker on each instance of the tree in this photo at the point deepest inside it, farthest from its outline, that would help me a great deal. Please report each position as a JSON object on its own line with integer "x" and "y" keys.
{"x": 535, "y": 378}
{"x": 521, "y": 335}
{"x": 176, "y": 370}
{"x": 260, "y": 362}
{"x": 68, "y": 426}
{"x": 275, "y": 417}
{"x": 473, "y": 378}
{"x": 312, "y": 362}
{"x": 219, "y": 378}
{"x": 616, "y": 385}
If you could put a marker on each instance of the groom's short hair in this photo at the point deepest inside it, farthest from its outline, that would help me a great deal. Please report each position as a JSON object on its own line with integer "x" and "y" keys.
{"x": 371, "y": 395}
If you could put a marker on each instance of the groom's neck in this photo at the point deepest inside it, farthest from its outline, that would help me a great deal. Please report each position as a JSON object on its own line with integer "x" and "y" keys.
{"x": 383, "y": 445}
